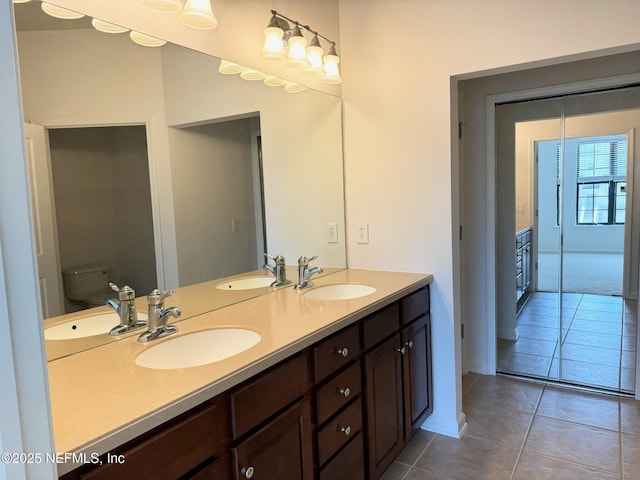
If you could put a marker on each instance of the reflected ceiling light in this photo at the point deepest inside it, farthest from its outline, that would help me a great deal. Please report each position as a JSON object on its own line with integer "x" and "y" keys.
{"x": 250, "y": 74}
{"x": 229, "y": 68}
{"x": 164, "y": 5}
{"x": 146, "y": 40}
{"x": 107, "y": 27}
{"x": 198, "y": 14}
{"x": 282, "y": 42}
{"x": 60, "y": 12}
{"x": 272, "y": 81}
{"x": 294, "y": 88}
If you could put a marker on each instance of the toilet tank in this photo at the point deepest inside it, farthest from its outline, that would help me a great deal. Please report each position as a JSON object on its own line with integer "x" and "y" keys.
{"x": 82, "y": 281}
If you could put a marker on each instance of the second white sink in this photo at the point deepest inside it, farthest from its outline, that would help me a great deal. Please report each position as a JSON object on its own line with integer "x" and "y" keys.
{"x": 198, "y": 348}
{"x": 340, "y": 291}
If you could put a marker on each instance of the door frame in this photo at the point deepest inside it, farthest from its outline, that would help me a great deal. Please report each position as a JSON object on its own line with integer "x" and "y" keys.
{"x": 490, "y": 159}
{"x": 161, "y": 200}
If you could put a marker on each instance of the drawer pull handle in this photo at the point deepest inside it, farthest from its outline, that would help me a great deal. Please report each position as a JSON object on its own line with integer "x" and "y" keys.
{"x": 247, "y": 472}
{"x": 409, "y": 344}
{"x": 346, "y": 430}
{"x": 345, "y": 392}
{"x": 343, "y": 352}
{"x": 402, "y": 350}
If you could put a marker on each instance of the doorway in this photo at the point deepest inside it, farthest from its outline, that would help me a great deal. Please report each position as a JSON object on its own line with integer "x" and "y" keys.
{"x": 563, "y": 162}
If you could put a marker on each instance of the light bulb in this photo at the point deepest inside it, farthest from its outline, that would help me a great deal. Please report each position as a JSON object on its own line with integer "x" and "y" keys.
{"x": 297, "y": 50}
{"x": 250, "y": 74}
{"x": 314, "y": 56}
{"x": 331, "y": 69}
{"x": 291, "y": 87}
{"x": 198, "y": 14}
{"x": 272, "y": 81}
{"x": 273, "y": 48}
{"x": 163, "y": 5}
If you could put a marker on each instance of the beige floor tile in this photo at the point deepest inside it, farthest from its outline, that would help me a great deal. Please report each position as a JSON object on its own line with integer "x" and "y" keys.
{"x": 591, "y": 446}
{"x": 532, "y": 466}
{"x": 580, "y": 407}
{"x": 396, "y": 471}
{"x": 496, "y": 424}
{"x": 468, "y": 458}
{"x": 505, "y": 392}
{"x": 631, "y": 455}
{"x": 419, "y": 474}
{"x": 416, "y": 446}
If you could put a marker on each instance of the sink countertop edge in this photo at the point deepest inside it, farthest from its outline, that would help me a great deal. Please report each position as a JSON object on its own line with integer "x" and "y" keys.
{"x": 69, "y": 440}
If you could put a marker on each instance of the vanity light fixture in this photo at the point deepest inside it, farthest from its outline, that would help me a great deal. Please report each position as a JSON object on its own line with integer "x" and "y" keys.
{"x": 60, "y": 12}
{"x": 282, "y": 42}
{"x": 195, "y": 13}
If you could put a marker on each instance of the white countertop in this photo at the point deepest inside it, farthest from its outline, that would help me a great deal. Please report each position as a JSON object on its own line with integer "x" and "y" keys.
{"x": 101, "y": 399}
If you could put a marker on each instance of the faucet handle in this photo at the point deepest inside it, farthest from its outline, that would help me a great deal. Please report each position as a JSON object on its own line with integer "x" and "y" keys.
{"x": 156, "y": 297}
{"x": 124, "y": 293}
{"x": 305, "y": 261}
{"x": 278, "y": 259}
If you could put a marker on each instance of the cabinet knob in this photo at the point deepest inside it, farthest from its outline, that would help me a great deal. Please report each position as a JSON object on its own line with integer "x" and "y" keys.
{"x": 409, "y": 344}
{"x": 247, "y": 472}
{"x": 345, "y": 392}
{"x": 401, "y": 350}
{"x": 344, "y": 351}
{"x": 346, "y": 430}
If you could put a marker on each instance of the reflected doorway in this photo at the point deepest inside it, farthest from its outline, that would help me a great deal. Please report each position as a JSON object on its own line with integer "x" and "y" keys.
{"x": 572, "y": 316}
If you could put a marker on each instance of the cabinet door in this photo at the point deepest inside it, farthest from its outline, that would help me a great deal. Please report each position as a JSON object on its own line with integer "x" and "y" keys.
{"x": 281, "y": 450}
{"x": 383, "y": 377}
{"x": 416, "y": 341}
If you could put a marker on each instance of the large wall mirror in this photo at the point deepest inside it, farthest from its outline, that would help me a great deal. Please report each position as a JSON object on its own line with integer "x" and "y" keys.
{"x": 150, "y": 165}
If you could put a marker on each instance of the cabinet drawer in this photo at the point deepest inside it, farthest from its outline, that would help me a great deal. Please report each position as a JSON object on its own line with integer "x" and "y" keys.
{"x": 348, "y": 464}
{"x": 414, "y": 305}
{"x": 339, "y": 430}
{"x": 185, "y": 445}
{"x": 337, "y": 392}
{"x": 336, "y": 352}
{"x": 380, "y": 325}
{"x": 256, "y": 401}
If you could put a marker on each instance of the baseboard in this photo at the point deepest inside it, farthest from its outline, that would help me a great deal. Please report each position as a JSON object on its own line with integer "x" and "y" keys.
{"x": 445, "y": 427}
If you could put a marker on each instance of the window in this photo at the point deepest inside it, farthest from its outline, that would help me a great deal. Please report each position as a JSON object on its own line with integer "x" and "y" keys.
{"x": 601, "y": 179}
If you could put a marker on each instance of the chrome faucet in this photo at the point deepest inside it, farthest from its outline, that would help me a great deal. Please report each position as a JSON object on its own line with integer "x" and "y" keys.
{"x": 158, "y": 327}
{"x": 304, "y": 273}
{"x": 279, "y": 270}
{"x": 126, "y": 309}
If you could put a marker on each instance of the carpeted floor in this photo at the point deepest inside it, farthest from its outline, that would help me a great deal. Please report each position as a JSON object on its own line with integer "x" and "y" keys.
{"x": 599, "y": 274}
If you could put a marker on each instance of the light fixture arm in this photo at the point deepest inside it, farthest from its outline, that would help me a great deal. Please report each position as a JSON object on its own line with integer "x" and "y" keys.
{"x": 286, "y": 27}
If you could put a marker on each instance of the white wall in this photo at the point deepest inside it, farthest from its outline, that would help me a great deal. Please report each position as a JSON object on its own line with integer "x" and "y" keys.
{"x": 212, "y": 187}
{"x": 401, "y": 113}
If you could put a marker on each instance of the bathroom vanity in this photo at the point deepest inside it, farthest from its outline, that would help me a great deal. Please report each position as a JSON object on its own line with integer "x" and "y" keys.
{"x": 334, "y": 389}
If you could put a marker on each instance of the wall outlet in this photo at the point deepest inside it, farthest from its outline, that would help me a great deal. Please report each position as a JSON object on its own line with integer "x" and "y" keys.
{"x": 362, "y": 233}
{"x": 235, "y": 225}
{"x": 332, "y": 233}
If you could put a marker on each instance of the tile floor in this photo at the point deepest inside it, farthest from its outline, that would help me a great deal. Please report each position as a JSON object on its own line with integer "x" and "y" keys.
{"x": 598, "y": 341}
{"x": 519, "y": 430}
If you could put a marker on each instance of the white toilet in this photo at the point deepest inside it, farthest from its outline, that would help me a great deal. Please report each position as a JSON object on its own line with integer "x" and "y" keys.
{"x": 87, "y": 285}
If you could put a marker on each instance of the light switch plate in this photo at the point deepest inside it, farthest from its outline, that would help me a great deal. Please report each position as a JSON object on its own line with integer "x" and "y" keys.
{"x": 362, "y": 233}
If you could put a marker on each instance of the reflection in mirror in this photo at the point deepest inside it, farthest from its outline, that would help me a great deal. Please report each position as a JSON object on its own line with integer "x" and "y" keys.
{"x": 160, "y": 172}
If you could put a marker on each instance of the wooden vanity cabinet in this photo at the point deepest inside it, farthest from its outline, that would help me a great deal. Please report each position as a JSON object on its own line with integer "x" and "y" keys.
{"x": 194, "y": 445}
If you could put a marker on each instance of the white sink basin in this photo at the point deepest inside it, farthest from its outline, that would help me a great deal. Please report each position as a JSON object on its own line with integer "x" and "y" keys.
{"x": 246, "y": 283}
{"x": 86, "y": 326}
{"x": 341, "y": 291}
{"x": 199, "y": 348}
